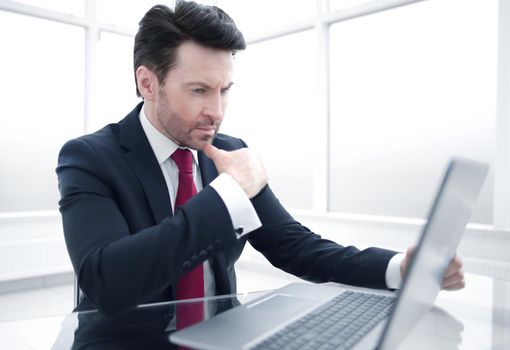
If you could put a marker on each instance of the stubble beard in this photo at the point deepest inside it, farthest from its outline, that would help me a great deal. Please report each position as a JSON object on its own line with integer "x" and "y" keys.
{"x": 184, "y": 137}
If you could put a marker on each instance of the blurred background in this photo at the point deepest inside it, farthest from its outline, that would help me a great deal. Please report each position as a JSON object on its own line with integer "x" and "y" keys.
{"x": 356, "y": 106}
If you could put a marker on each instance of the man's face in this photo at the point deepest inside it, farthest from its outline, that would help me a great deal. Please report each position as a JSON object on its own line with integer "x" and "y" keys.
{"x": 190, "y": 105}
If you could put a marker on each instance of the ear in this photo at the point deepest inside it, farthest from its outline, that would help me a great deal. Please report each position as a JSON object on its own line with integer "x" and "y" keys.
{"x": 147, "y": 83}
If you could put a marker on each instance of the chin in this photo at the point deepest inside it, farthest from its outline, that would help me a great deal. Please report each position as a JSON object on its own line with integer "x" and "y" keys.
{"x": 200, "y": 144}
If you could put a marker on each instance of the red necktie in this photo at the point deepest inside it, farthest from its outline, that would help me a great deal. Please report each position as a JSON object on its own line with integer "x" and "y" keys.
{"x": 191, "y": 285}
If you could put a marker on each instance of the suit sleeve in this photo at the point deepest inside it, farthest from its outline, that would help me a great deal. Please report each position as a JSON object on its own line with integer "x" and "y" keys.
{"x": 119, "y": 267}
{"x": 295, "y": 249}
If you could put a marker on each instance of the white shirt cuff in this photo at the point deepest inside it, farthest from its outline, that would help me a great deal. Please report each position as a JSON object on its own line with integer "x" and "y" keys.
{"x": 393, "y": 275}
{"x": 241, "y": 211}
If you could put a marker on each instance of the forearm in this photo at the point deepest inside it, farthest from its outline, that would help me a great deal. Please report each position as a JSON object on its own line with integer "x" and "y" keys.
{"x": 292, "y": 247}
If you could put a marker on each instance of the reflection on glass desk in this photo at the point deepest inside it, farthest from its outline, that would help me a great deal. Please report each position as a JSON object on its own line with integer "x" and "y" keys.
{"x": 477, "y": 317}
{"x": 145, "y": 327}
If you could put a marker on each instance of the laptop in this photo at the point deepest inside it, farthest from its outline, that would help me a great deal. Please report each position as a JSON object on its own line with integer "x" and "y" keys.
{"x": 283, "y": 317}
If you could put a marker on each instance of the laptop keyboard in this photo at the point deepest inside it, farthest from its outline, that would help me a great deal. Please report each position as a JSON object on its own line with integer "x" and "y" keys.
{"x": 338, "y": 324}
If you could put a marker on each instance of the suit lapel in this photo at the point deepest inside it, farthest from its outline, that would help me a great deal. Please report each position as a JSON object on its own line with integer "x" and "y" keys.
{"x": 207, "y": 169}
{"x": 142, "y": 160}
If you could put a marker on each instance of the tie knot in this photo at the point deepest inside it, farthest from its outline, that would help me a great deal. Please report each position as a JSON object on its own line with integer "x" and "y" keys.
{"x": 184, "y": 160}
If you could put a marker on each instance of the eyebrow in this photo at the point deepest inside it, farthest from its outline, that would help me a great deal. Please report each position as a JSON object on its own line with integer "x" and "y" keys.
{"x": 229, "y": 85}
{"x": 204, "y": 85}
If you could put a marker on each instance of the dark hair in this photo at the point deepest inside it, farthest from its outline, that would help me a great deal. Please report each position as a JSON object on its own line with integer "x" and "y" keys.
{"x": 162, "y": 30}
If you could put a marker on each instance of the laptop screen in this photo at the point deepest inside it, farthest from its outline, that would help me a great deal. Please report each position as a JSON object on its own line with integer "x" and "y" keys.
{"x": 446, "y": 222}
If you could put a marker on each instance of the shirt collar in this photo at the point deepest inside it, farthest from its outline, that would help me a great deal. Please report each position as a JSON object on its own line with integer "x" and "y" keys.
{"x": 161, "y": 145}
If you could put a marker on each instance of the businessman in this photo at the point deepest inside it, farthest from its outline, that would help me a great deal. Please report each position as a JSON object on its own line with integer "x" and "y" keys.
{"x": 159, "y": 206}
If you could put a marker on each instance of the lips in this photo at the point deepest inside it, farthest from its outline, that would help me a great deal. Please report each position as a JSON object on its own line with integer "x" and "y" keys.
{"x": 206, "y": 128}
{"x": 206, "y": 131}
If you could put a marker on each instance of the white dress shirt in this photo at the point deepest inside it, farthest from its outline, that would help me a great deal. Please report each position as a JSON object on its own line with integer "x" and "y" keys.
{"x": 241, "y": 211}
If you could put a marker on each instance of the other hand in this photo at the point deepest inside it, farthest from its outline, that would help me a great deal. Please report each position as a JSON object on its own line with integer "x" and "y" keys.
{"x": 453, "y": 278}
{"x": 245, "y": 167}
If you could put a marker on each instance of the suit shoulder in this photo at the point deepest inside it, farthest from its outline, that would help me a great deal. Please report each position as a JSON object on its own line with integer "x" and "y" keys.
{"x": 96, "y": 146}
{"x": 228, "y": 143}
{"x": 107, "y": 136}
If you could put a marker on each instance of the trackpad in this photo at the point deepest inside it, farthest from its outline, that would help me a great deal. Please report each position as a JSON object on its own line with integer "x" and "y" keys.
{"x": 250, "y": 321}
{"x": 284, "y": 305}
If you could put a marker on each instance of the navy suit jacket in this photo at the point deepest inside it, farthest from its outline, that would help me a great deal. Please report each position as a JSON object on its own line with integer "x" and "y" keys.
{"x": 127, "y": 247}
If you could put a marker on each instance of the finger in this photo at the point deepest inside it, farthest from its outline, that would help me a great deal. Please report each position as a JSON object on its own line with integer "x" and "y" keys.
{"x": 405, "y": 263}
{"x": 454, "y": 282}
{"x": 212, "y": 152}
{"x": 455, "y": 266}
{"x": 410, "y": 252}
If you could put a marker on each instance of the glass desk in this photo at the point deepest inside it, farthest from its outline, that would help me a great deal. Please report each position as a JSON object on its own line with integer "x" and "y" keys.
{"x": 477, "y": 317}
{"x": 146, "y": 327}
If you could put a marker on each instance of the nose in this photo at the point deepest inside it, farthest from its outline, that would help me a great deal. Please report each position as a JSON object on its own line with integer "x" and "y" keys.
{"x": 215, "y": 107}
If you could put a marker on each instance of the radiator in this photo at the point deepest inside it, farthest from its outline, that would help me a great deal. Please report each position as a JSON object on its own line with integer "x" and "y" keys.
{"x": 33, "y": 258}
{"x": 32, "y": 245}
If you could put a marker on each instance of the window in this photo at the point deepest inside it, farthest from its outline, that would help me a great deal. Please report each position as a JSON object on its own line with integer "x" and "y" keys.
{"x": 115, "y": 82}
{"x": 73, "y": 7}
{"x": 271, "y": 107}
{"x": 410, "y": 88}
{"x": 121, "y": 13}
{"x": 338, "y": 5}
{"x": 262, "y": 16}
{"x": 42, "y": 106}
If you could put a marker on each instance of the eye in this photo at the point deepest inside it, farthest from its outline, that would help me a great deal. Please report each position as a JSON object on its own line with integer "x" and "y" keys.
{"x": 199, "y": 91}
{"x": 225, "y": 91}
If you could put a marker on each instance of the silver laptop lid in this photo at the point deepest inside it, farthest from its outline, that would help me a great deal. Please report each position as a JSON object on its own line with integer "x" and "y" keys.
{"x": 448, "y": 217}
